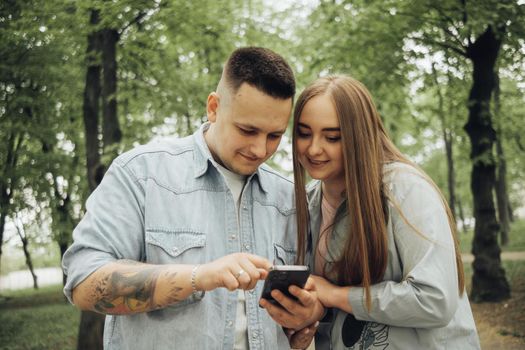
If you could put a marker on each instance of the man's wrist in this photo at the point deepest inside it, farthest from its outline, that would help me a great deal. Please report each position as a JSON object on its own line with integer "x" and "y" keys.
{"x": 194, "y": 291}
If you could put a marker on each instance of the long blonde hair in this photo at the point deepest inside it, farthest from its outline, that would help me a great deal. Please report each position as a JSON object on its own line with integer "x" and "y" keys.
{"x": 366, "y": 148}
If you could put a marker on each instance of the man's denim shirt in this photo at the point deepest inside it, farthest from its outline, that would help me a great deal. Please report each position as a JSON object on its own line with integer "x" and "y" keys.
{"x": 166, "y": 203}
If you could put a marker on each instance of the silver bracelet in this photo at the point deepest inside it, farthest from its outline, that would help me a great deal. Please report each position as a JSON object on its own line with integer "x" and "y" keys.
{"x": 195, "y": 292}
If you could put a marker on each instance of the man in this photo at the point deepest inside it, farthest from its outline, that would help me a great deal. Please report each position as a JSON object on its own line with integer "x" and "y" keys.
{"x": 175, "y": 227}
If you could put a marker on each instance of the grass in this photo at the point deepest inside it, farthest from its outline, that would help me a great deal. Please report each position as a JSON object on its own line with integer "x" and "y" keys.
{"x": 516, "y": 238}
{"x": 40, "y": 319}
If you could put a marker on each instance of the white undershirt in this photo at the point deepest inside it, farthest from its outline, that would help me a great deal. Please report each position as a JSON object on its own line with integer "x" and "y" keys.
{"x": 236, "y": 183}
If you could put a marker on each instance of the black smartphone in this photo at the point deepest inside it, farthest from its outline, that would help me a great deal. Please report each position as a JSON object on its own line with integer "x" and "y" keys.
{"x": 283, "y": 276}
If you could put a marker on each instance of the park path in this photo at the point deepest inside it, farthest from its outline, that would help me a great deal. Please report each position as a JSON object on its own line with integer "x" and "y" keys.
{"x": 22, "y": 279}
{"x": 53, "y": 275}
{"x": 467, "y": 257}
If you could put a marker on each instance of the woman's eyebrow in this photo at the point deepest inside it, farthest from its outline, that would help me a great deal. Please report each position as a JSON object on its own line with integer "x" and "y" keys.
{"x": 302, "y": 125}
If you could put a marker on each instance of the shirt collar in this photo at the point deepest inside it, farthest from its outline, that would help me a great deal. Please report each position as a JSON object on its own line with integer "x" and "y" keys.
{"x": 203, "y": 158}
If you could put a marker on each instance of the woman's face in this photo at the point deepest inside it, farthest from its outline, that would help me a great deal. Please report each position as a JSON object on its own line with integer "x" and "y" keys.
{"x": 319, "y": 140}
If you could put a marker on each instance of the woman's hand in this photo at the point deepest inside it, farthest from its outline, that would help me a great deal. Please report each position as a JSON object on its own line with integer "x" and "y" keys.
{"x": 332, "y": 295}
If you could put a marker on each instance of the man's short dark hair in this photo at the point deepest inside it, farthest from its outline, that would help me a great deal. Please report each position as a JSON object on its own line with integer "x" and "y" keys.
{"x": 263, "y": 69}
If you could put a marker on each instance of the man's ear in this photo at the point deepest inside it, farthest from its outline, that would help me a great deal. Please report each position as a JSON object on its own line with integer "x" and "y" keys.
{"x": 211, "y": 106}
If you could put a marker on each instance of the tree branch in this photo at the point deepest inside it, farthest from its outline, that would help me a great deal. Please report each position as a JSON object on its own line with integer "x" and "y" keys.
{"x": 137, "y": 20}
{"x": 442, "y": 45}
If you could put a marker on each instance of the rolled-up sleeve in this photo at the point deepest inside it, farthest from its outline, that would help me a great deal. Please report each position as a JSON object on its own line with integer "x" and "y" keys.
{"x": 427, "y": 296}
{"x": 111, "y": 229}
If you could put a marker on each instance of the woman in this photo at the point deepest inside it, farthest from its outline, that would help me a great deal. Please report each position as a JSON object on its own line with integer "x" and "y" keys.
{"x": 381, "y": 237}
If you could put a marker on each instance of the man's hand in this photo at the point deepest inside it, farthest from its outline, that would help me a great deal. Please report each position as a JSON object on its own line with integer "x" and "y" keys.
{"x": 293, "y": 314}
{"x": 234, "y": 271}
{"x": 301, "y": 339}
{"x": 126, "y": 287}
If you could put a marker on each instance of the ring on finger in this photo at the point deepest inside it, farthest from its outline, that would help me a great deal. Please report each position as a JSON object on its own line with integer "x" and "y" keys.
{"x": 239, "y": 274}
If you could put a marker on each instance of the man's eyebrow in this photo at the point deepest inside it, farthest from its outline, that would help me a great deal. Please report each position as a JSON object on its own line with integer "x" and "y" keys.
{"x": 254, "y": 128}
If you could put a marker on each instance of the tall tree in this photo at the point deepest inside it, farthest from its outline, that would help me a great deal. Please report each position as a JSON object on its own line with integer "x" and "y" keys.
{"x": 502, "y": 197}
{"x": 488, "y": 281}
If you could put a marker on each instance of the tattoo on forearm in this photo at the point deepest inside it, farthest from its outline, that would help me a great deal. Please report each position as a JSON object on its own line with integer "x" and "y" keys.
{"x": 174, "y": 295}
{"x": 123, "y": 292}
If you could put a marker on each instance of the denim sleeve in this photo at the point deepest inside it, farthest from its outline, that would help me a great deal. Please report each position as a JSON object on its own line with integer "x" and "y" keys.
{"x": 427, "y": 296}
{"x": 111, "y": 229}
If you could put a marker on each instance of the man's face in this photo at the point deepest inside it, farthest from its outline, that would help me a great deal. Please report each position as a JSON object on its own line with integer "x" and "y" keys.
{"x": 246, "y": 127}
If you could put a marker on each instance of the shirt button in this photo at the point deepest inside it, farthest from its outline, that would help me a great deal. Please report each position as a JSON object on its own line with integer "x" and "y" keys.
{"x": 245, "y": 208}
{"x": 247, "y": 246}
{"x": 230, "y": 323}
{"x": 255, "y": 334}
{"x": 232, "y": 237}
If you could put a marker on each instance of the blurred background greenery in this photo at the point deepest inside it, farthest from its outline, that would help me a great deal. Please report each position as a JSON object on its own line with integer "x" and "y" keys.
{"x": 83, "y": 81}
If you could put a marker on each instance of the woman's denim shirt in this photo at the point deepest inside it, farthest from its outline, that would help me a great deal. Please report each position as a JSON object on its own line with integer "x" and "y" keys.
{"x": 417, "y": 304}
{"x": 167, "y": 203}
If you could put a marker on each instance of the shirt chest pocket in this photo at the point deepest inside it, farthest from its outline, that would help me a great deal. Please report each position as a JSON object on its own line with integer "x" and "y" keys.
{"x": 283, "y": 255}
{"x": 164, "y": 246}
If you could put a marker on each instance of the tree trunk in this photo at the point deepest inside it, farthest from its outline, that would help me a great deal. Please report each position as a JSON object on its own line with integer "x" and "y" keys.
{"x": 8, "y": 180}
{"x": 66, "y": 224}
{"x": 447, "y": 139}
{"x": 451, "y": 173}
{"x": 90, "y": 334}
{"x": 91, "y": 331}
{"x": 29, "y": 262}
{"x": 502, "y": 195}
{"x": 2, "y": 225}
{"x": 104, "y": 43}
{"x": 189, "y": 127}
{"x": 63, "y": 247}
{"x": 111, "y": 129}
{"x": 488, "y": 281}
{"x": 5, "y": 196}
{"x": 91, "y": 103}
{"x": 464, "y": 225}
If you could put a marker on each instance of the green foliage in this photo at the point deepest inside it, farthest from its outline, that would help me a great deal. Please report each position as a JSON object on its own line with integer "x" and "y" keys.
{"x": 169, "y": 58}
{"x": 411, "y": 56}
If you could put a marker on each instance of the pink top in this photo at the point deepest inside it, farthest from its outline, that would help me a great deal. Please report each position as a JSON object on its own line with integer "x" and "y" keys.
{"x": 327, "y": 219}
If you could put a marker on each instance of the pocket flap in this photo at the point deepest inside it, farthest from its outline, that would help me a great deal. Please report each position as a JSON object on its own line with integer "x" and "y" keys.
{"x": 175, "y": 242}
{"x": 284, "y": 256}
